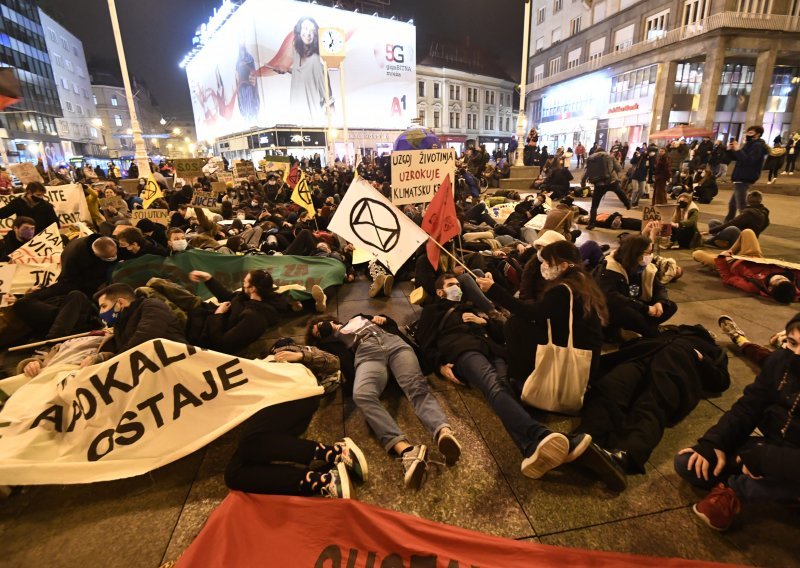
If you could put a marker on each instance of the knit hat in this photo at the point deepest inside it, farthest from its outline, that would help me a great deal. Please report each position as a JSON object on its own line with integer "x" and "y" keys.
{"x": 548, "y": 238}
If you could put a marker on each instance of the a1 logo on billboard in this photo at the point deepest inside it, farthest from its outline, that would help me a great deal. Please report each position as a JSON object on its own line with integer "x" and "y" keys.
{"x": 395, "y": 53}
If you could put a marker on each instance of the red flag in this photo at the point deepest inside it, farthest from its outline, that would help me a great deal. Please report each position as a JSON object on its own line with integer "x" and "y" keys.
{"x": 440, "y": 220}
{"x": 10, "y": 90}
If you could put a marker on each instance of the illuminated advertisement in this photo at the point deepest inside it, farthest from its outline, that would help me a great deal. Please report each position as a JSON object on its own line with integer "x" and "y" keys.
{"x": 262, "y": 67}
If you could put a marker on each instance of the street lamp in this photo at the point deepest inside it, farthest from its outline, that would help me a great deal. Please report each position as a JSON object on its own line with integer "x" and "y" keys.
{"x": 163, "y": 121}
{"x": 522, "y": 86}
{"x": 176, "y": 131}
{"x": 142, "y": 161}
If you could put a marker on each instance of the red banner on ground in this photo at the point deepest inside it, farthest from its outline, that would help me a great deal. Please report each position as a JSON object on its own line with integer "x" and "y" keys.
{"x": 272, "y": 530}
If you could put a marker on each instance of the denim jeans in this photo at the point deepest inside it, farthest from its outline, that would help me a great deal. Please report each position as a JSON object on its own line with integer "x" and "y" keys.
{"x": 375, "y": 356}
{"x": 723, "y": 239}
{"x": 747, "y": 489}
{"x": 472, "y": 291}
{"x": 491, "y": 378}
{"x": 737, "y": 201}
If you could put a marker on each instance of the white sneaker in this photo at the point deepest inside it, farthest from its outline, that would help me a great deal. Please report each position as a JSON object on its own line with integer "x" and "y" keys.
{"x": 550, "y": 453}
{"x": 339, "y": 487}
{"x": 414, "y": 465}
{"x": 320, "y": 299}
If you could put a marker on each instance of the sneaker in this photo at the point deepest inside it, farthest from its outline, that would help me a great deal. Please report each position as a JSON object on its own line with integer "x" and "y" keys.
{"x": 339, "y": 487}
{"x": 590, "y": 227}
{"x": 551, "y": 452}
{"x": 388, "y": 282}
{"x": 377, "y": 285}
{"x": 577, "y": 445}
{"x": 320, "y": 299}
{"x": 449, "y": 447}
{"x": 729, "y": 328}
{"x": 353, "y": 459}
{"x": 719, "y": 508}
{"x": 609, "y": 466}
{"x": 414, "y": 465}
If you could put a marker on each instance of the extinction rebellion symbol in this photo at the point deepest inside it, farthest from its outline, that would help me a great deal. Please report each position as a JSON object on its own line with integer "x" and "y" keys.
{"x": 375, "y": 224}
{"x": 150, "y": 189}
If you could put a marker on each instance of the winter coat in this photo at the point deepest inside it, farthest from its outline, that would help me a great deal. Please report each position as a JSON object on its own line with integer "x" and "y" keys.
{"x": 751, "y": 277}
{"x": 770, "y": 404}
{"x": 749, "y": 161}
{"x": 613, "y": 280}
{"x": 143, "y": 320}
{"x": 753, "y": 217}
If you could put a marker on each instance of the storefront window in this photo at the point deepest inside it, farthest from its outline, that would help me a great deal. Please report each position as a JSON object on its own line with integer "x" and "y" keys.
{"x": 633, "y": 85}
{"x": 688, "y": 78}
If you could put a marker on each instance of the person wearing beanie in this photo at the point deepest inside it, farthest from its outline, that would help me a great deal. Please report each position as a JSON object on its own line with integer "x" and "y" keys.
{"x": 741, "y": 469}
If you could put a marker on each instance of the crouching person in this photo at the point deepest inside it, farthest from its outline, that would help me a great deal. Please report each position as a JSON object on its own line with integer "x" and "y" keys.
{"x": 740, "y": 468}
{"x": 273, "y": 459}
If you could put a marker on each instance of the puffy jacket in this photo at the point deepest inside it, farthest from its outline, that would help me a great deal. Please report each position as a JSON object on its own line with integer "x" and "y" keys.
{"x": 749, "y": 161}
{"x": 753, "y": 217}
{"x": 614, "y": 282}
{"x": 751, "y": 277}
{"x": 143, "y": 320}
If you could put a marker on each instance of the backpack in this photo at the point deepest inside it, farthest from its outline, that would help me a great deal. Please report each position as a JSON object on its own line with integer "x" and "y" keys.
{"x": 597, "y": 169}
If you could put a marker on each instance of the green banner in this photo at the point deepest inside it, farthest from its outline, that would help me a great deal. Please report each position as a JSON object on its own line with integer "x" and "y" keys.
{"x": 229, "y": 270}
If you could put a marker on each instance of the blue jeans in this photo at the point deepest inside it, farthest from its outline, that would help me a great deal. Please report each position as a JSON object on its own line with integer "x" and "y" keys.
{"x": 374, "y": 357}
{"x": 491, "y": 378}
{"x": 747, "y": 489}
{"x": 723, "y": 239}
{"x": 737, "y": 201}
{"x": 472, "y": 292}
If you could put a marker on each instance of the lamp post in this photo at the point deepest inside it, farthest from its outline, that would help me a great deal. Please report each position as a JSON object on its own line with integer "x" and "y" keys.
{"x": 522, "y": 85}
{"x": 140, "y": 150}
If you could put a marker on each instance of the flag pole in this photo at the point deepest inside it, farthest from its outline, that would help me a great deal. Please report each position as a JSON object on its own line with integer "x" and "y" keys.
{"x": 451, "y": 255}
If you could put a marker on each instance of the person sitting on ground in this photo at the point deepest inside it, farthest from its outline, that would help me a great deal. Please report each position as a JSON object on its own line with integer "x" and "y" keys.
{"x": 754, "y": 217}
{"x": 561, "y": 219}
{"x": 135, "y": 321}
{"x": 740, "y": 468}
{"x": 706, "y": 189}
{"x": 642, "y": 388}
{"x": 751, "y": 351}
{"x": 22, "y": 230}
{"x": 240, "y": 318}
{"x": 557, "y": 180}
{"x": 133, "y": 244}
{"x": 637, "y": 301}
{"x": 272, "y": 458}
{"x": 770, "y": 278}
{"x": 378, "y": 349}
{"x": 32, "y": 204}
{"x": 684, "y": 223}
{"x": 464, "y": 345}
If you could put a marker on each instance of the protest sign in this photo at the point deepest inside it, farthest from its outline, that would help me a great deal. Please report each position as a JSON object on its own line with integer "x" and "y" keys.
{"x": 68, "y": 201}
{"x": 501, "y": 211}
{"x": 275, "y": 164}
{"x": 370, "y": 222}
{"x": 129, "y": 186}
{"x": 155, "y": 215}
{"x": 417, "y": 174}
{"x": 218, "y": 187}
{"x": 26, "y": 172}
{"x": 6, "y": 278}
{"x": 229, "y": 270}
{"x": 204, "y": 199}
{"x": 224, "y": 177}
{"x": 243, "y": 169}
{"x": 150, "y": 191}
{"x": 187, "y": 168}
{"x": 140, "y": 410}
{"x": 41, "y": 248}
{"x": 27, "y": 276}
{"x": 768, "y": 261}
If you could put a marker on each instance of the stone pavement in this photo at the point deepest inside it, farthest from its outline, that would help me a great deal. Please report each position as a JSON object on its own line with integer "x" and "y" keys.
{"x": 151, "y": 519}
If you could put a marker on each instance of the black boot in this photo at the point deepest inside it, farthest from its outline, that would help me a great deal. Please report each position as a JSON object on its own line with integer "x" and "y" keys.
{"x": 610, "y": 466}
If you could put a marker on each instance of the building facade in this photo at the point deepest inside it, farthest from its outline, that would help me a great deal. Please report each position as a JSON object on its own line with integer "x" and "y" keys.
{"x": 465, "y": 98}
{"x": 622, "y": 69}
{"x": 30, "y": 124}
{"x": 79, "y": 136}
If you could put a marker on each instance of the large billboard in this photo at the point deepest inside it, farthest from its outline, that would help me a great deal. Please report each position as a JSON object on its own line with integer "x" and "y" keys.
{"x": 263, "y": 68}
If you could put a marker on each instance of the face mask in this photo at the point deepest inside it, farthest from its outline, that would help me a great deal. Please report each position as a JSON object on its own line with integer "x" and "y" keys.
{"x": 453, "y": 293}
{"x": 646, "y": 259}
{"x": 112, "y": 259}
{"x": 179, "y": 245}
{"x": 109, "y": 316}
{"x": 539, "y": 256}
{"x": 254, "y": 203}
{"x": 36, "y": 199}
{"x": 683, "y": 204}
{"x": 550, "y": 272}
{"x": 749, "y": 137}
{"x": 27, "y": 234}
{"x": 325, "y": 329}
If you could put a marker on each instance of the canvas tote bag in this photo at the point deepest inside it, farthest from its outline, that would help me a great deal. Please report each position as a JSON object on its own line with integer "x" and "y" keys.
{"x": 559, "y": 380}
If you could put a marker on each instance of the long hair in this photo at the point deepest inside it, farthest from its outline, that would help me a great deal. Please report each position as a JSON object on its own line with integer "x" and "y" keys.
{"x": 300, "y": 47}
{"x": 576, "y": 277}
{"x": 629, "y": 251}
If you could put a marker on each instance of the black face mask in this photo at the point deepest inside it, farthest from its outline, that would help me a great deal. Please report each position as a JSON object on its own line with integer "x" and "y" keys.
{"x": 749, "y": 137}
{"x": 683, "y": 204}
{"x": 325, "y": 329}
{"x": 36, "y": 199}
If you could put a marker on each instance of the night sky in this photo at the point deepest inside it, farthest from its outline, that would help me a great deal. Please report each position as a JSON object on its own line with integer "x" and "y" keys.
{"x": 158, "y": 33}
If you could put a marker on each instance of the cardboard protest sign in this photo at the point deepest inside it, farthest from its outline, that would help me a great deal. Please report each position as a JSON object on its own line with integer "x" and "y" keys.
{"x": 68, "y": 201}
{"x": 189, "y": 167}
{"x": 42, "y": 248}
{"x": 204, "y": 199}
{"x": 27, "y": 276}
{"x": 151, "y": 191}
{"x": 6, "y": 278}
{"x": 224, "y": 177}
{"x": 417, "y": 174}
{"x": 275, "y": 164}
{"x": 26, "y": 172}
{"x": 770, "y": 261}
{"x": 155, "y": 215}
{"x": 218, "y": 187}
{"x": 243, "y": 169}
{"x": 138, "y": 411}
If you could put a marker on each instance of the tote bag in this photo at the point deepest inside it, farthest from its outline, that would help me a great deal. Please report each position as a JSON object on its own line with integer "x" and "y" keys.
{"x": 558, "y": 382}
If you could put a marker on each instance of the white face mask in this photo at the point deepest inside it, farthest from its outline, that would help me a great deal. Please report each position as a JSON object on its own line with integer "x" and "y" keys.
{"x": 539, "y": 255}
{"x": 453, "y": 293}
{"x": 179, "y": 245}
{"x": 550, "y": 272}
{"x": 646, "y": 259}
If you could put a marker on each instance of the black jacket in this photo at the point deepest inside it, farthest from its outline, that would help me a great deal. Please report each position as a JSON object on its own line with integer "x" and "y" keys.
{"x": 443, "y": 336}
{"x": 243, "y": 323}
{"x": 754, "y": 217}
{"x": 81, "y": 269}
{"x": 9, "y": 244}
{"x": 43, "y": 212}
{"x": 749, "y": 161}
{"x": 143, "y": 320}
{"x": 767, "y": 404}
